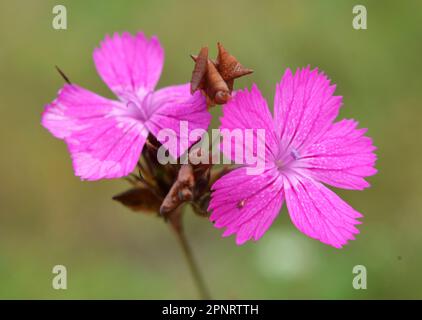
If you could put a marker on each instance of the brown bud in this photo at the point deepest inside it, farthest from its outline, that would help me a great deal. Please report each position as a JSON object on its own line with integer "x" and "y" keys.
{"x": 217, "y": 88}
{"x": 180, "y": 191}
{"x": 185, "y": 176}
{"x": 216, "y": 78}
{"x": 228, "y": 66}
{"x": 198, "y": 73}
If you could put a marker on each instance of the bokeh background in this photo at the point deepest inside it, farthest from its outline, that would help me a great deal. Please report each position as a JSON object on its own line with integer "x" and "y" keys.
{"x": 48, "y": 216}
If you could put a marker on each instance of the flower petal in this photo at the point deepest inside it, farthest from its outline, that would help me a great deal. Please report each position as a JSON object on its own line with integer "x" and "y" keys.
{"x": 343, "y": 157}
{"x": 103, "y": 139}
{"x": 172, "y": 105}
{"x": 249, "y": 110}
{"x": 320, "y": 213}
{"x": 130, "y": 65}
{"x": 246, "y": 205}
{"x": 304, "y": 107}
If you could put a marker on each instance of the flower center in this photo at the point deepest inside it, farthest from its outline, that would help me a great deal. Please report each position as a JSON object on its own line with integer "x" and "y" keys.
{"x": 279, "y": 164}
{"x": 139, "y": 109}
{"x": 135, "y": 111}
{"x": 287, "y": 158}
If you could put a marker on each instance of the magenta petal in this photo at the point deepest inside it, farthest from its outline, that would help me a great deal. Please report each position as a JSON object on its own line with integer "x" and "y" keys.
{"x": 103, "y": 139}
{"x": 343, "y": 157}
{"x": 249, "y": 110}
{"x": 307, "y": 148}
{"x": 246, "y": 205}
{"x": 130, "y": 65}
{"x": 304, "y": 107}
{"x": 320, "y": 213}
{"x": 169, "y": 106}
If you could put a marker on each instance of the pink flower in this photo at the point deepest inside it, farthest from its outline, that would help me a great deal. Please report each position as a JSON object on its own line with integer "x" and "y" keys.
{"x": 106, "y": 137}
{"x": 304, "y": 149}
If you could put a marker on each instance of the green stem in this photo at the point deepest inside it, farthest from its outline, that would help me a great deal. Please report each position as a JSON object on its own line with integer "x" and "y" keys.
{"x": 193, "y": 267}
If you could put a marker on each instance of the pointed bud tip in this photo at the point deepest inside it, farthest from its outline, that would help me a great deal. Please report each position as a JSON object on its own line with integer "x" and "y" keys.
{"x": 220, "y": 46}
{"x": 164, "y": 210}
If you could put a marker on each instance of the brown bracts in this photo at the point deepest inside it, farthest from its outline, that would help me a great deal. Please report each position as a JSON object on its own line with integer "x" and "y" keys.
{"x": 215, "y": 78}
{"x": 181, "y": 190}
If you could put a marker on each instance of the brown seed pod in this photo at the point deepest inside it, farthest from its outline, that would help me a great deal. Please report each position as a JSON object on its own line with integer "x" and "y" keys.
{"x": 198, "y": 73}
{"x": 216, "y": 87}
{"x": 228, "y": 66}
{"x": 216, "y": 78}
{"x": 180, "y": 191}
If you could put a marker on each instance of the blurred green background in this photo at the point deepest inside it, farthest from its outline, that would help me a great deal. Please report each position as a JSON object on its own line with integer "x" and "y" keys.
{"x": 49, "y": 217}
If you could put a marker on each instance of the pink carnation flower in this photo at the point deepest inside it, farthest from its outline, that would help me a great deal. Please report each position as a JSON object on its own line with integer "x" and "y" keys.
{"x": 106, "y": 137}
{"x": 304, "y": 149}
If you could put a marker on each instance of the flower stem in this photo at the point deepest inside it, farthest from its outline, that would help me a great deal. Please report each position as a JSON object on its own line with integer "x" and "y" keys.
{"x": 176, "y": 223}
